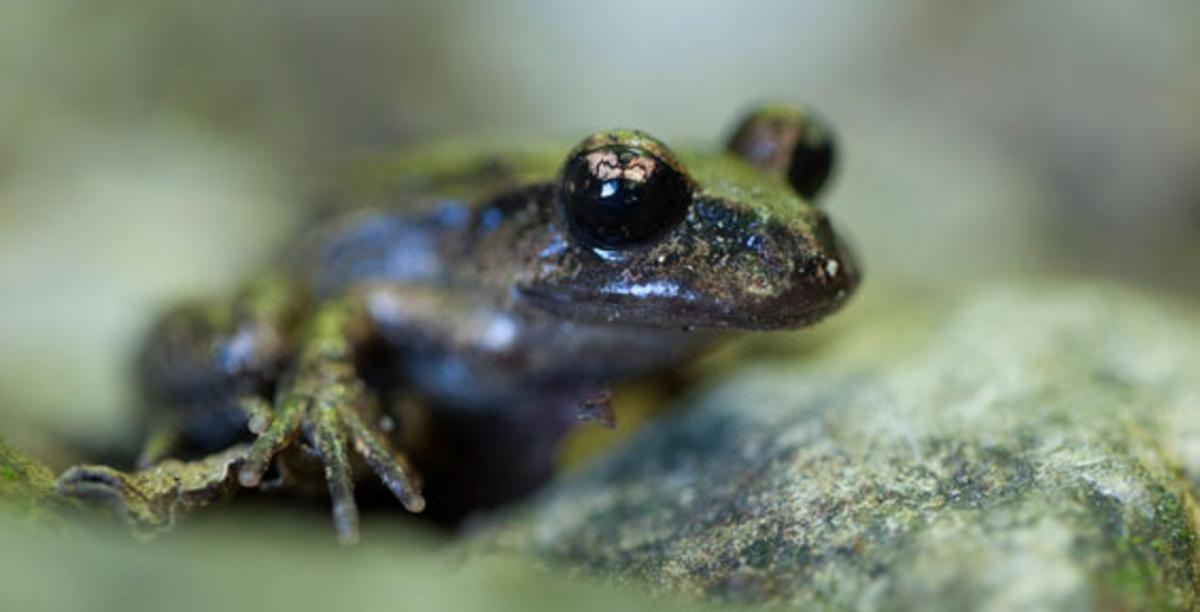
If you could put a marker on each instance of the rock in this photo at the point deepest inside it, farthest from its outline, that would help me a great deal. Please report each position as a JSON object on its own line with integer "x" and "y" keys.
{"x": 1026, "y": 448}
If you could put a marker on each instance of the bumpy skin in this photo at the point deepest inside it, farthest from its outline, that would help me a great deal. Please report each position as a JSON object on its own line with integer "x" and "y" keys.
{"x": 443, "y": 292}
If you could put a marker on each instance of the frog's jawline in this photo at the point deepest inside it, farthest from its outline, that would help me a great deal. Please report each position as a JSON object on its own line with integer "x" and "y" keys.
{"x": 632, "y": 311}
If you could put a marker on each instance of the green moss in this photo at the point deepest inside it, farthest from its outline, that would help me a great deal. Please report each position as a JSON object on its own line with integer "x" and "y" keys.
{"x": 1133, "y": 584}
{"x": 1153, "y": 565}
{"x": 759, "y": 554}
{"x": 27, "y": 487}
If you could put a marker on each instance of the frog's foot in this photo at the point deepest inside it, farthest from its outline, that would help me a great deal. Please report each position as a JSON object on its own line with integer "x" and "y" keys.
{"x": 329, "y": 422}
{"x": 324, "y": 402}
{"x": 150, "y": 500}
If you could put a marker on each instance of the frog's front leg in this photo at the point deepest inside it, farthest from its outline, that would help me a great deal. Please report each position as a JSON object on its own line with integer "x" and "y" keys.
{"x": 205, "y": 370}
{"x": 324, "y": 400}
{"x": 206, "y": 367}
{"x": 495, "y": 395}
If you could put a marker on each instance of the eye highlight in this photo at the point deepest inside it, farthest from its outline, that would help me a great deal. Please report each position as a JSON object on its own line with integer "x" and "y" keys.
{"x": 795, "y": 143}
{"x": 621, "y": 190}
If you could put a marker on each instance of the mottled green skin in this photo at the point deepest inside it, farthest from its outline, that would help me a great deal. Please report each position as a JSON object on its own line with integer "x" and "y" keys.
{"x": 1027, "y": 449}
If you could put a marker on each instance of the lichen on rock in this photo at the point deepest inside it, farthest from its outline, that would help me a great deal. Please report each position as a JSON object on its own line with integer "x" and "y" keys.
{"x": 27, "y": 488}
{"x": 1025, "y": 448}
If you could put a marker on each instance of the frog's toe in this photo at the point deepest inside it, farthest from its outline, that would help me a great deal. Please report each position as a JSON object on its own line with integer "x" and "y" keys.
{"x": 333, "y": 427}
{"x": 330, "y": 424}
{"x": 324, "y": 433}
{"x": 283, "y": 428}
{"x": 323, "y": 400}
{"x": 391, "y": 467}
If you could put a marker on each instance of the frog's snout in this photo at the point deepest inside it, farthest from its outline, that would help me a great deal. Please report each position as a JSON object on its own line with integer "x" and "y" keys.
{"x": 820, "y": 284}
{"x": 824, "y": 282}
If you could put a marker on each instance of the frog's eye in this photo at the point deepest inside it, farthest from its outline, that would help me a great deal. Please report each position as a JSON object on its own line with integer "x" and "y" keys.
{"x": 795, "y": 143}
{"x": 621, "y": 190}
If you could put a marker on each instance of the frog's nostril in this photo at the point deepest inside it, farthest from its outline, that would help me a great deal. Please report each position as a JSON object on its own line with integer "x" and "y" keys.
{"x": 851, "y": 269}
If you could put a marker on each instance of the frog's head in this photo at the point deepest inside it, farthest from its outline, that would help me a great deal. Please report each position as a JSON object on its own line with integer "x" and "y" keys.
{"x": 641, "y": 236}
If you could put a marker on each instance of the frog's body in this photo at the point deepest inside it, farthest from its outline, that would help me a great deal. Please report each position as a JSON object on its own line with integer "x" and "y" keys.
{"x": 501, "y": 293}
{"x": 465, "y": 245}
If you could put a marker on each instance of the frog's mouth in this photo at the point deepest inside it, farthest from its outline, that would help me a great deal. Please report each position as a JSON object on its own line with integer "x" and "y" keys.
{"x": 818, "y": 287}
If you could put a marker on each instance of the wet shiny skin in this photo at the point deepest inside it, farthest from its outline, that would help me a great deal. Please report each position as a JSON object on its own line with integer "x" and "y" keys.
{"x": 457, "y": 295}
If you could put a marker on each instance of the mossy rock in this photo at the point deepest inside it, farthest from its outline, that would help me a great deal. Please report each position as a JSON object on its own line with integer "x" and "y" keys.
{"x": 27, "y": 488}
{"x": 1023, "y": 448}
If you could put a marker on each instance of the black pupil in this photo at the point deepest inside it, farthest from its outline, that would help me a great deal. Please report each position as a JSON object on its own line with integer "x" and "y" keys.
{"x": 616, "y": 197}
{"x": 812, "y": 162}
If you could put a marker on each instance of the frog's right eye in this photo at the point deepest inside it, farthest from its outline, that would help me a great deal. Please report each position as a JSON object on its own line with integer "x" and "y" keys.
{"x": 795, "y": 143}
{"x": 622, "y": 189}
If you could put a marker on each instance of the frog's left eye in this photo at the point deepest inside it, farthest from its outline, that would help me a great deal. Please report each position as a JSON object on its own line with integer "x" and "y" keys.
{"x": 795, "y": 143}
{"x": 622, "y": 189}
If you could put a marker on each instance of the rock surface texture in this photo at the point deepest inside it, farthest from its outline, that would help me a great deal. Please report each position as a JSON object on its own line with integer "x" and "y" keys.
{"x": 1027, "y": 448}
{"x": 27, "y": 489}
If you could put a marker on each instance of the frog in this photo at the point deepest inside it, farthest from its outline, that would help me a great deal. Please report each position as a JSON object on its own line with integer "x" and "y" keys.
{"x": 452, "y": 311}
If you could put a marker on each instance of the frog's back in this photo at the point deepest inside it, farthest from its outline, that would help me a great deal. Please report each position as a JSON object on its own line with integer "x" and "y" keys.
{"x": 469, "y": 171}
{"x": 400, "y": 216}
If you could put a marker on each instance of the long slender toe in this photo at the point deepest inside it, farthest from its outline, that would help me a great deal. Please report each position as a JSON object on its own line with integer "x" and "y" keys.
{"x": 390, "y": 466}
{"x": 327, "y": 437}
{"x": 282, "y": 430}
{"x": 259, "y": 414}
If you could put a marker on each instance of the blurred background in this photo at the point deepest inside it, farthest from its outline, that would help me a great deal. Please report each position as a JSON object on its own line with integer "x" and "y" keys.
{"x": 158, "y": 150}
